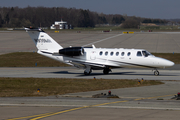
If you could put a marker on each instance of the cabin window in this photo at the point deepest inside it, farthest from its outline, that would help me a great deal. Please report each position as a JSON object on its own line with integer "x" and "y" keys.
{"x": 106, "y": 53}
{"x": 117, "y": 53}
{"x": 112, "y": 53}
{"x": 101, "y": 53}
{"x": 128, "y": 54}
{"x": 122, "y": 54}
{"x": 139, "y": 53}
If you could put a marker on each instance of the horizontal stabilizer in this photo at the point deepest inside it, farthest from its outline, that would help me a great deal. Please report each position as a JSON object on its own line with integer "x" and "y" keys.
{"x": 34, "y": 29}
{"x": 46, "y": 51}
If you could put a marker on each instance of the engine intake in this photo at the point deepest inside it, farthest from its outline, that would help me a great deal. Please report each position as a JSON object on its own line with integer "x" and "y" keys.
{"x": 72, "y": 51}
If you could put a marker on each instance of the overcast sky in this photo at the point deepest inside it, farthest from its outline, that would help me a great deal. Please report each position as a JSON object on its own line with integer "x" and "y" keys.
{"x": 164, "y": 9}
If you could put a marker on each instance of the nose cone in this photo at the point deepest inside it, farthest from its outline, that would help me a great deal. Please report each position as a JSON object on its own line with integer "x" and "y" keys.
{"x": 165, "y": 63}
{"x": 169, "y": 63}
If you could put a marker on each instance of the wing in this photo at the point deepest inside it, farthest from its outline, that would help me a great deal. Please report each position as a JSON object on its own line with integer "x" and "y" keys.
{"x": 93, "y": 65}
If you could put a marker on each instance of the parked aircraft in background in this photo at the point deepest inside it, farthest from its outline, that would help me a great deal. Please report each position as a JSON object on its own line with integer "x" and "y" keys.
{"x": 95, "y": 58}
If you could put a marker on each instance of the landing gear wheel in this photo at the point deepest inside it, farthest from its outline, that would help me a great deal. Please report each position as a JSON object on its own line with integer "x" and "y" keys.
{"x": 106, "y": 71}
{"x": 87, "y": 73}
{"x": 156, "y": 73}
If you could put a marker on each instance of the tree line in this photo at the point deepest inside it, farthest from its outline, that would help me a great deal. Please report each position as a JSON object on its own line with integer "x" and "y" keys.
{"x": 45, "y": 17}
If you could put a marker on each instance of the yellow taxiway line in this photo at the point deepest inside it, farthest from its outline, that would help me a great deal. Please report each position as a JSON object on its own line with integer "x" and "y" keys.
{"x": 40, "y": 116}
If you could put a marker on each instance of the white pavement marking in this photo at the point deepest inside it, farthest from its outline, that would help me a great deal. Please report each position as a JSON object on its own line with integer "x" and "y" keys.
{"x": 102, "y": 40}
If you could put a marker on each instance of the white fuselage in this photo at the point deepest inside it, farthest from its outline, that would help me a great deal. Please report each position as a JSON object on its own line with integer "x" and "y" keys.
{"x": 102, "y": 57}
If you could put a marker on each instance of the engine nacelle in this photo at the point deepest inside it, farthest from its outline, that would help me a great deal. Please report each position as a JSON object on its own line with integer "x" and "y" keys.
{"x": 72, "y": 51}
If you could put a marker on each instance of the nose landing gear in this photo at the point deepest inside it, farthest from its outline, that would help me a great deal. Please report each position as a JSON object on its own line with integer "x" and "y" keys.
{"x": 156, "y": 72}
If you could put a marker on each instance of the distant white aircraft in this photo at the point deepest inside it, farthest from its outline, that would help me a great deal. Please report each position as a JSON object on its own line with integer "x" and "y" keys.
{"x": 95, "y": 58}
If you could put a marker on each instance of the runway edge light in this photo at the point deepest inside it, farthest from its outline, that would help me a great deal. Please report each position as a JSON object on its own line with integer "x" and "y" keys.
{"x": 139, "y": 82}
{"x": 142, "y": 80}
{"x": 38, "y": 90}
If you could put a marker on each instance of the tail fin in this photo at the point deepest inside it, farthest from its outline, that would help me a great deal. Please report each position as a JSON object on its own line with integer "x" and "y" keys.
{"x": 43, "y": 41}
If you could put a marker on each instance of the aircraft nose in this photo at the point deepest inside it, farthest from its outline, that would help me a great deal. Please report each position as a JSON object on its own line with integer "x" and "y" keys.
{"x": 164, "y": 62}
{"x": 168, "y": 63}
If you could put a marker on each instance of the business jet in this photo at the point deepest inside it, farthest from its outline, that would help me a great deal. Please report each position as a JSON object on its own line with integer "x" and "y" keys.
{"x": 95, "y": 58}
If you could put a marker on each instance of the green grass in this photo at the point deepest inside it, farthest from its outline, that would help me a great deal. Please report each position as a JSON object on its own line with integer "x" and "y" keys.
{"x": 160, "y": 28}
{"x": 27, "y": 59}
{"x": 14, "y": 87}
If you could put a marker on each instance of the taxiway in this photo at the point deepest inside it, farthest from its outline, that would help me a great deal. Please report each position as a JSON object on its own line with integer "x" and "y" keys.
{"x": 71, "y": 72}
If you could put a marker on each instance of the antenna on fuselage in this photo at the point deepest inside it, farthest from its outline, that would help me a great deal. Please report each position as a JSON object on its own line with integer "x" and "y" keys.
{"x": 93, "y": 46}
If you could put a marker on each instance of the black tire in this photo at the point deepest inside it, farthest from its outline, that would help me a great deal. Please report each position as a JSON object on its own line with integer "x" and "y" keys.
{"x": 106, "y": 71}
{"x": 87, "y": 73}
{"x": 156, "y": 73}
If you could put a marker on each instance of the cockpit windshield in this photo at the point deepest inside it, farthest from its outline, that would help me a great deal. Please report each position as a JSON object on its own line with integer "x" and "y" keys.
{"x": 146, "y": 53}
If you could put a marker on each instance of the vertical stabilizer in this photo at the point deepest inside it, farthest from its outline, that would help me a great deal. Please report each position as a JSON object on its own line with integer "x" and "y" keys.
{"x": 43, "y": 41}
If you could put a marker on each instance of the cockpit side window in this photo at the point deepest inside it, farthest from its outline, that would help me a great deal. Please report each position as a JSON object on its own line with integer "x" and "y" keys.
{"x": 146, "y": 53}
{"x": 139, "y": 53}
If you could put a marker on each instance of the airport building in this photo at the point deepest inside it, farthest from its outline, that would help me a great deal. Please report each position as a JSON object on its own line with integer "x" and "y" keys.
{"x": 60, "y": 25}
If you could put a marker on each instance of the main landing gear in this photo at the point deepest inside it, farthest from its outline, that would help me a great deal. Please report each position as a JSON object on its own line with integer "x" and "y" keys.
{"x": 87, "y": 73}
{"x": 106, "y": 70}
{"x": 88, "y": 70}
{"x": 156, "y": 72}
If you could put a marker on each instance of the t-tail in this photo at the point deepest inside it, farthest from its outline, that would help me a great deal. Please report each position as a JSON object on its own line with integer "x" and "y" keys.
{"x": 43, "y": 41}
{"x": 46, "y": 45}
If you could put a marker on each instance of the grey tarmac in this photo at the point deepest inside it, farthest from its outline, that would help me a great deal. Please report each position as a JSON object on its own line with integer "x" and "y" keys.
{"x": 71, "y": 72}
